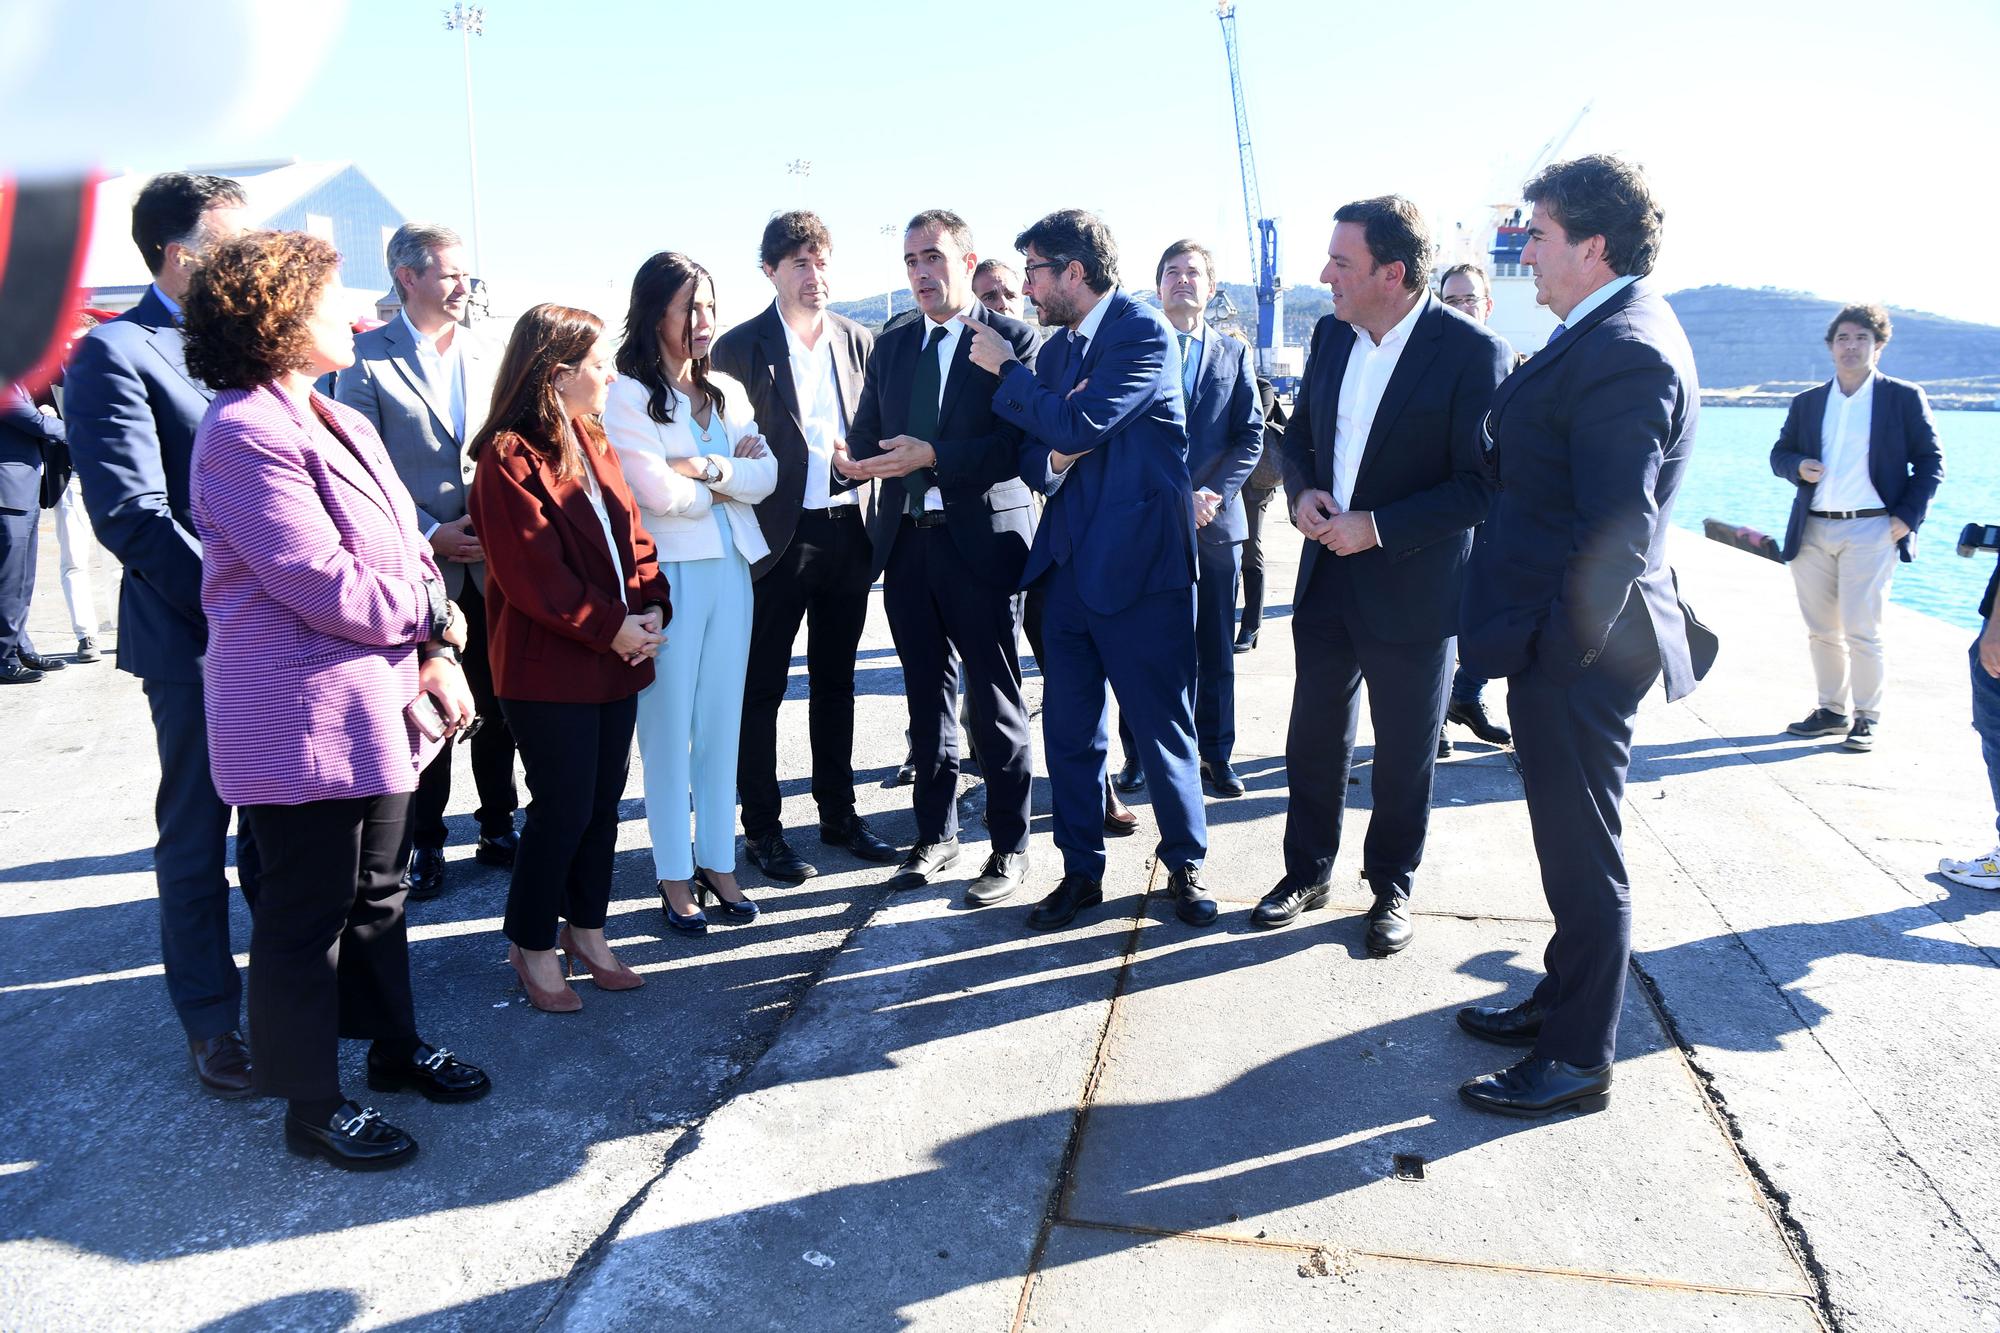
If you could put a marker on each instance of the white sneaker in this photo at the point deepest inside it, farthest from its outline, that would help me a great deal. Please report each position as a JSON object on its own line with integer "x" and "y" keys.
{"x": 1981, "y": 872}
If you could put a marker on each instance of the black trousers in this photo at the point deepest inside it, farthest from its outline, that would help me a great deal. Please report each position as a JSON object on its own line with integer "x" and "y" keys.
{"x": 1335, "y": 653}
{"x": 492, "y": 747}
{"x": 190, "y": 863}
{"x": 1575, "y": 745}
{"x": 329, "y": 949}
{"x": 936, "y": 604}
{"x": 576, "y": 757}
{"x": 1254, "y": 505}
{"x": 821, "y": 579}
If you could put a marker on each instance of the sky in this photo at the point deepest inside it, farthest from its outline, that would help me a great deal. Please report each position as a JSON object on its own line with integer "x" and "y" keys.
{"x": 1839, "y": 148}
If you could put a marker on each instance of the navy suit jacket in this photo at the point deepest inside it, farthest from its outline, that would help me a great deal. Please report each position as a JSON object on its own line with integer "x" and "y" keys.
{"x": 1120, "y": 515}
{"x": 1225, "y": 429}
{"x": 1423, "y": 474}
{"x": 1590, "y": 439}
{"x": 26, "y": 433}
{"x": 132, "y": 409}
{"x": 989, "y": 511}
{"x": 1905, "y": 463}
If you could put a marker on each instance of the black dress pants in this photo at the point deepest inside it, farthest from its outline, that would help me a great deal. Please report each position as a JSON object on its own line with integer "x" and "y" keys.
{"x": 1335, "y": 653}
{"x": 577, "y": 757}
{"x": 1254, "y": 505}
{"x": 938, "y": 603}
{"x": 329, "y": 949}
{"x": 822, "y": 579}
{"x": 1575, "y": 745}
{"x": 492, "y": 747}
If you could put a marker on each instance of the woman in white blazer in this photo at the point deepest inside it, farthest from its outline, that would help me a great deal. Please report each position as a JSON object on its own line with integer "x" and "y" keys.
{"x": 696, "y": 465}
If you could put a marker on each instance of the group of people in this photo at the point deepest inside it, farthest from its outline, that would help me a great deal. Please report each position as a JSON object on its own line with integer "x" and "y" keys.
{"x": 345, "y": 553}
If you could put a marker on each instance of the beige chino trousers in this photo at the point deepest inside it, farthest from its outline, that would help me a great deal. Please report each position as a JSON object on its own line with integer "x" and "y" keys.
{"x": 1842, "y": 575}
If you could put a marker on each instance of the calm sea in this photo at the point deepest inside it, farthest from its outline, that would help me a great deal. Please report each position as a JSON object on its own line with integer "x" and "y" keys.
{"x": 1730, "y": 479}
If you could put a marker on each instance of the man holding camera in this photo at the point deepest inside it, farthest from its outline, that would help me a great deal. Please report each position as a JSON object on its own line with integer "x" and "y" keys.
{"x": 1983, "y": 872}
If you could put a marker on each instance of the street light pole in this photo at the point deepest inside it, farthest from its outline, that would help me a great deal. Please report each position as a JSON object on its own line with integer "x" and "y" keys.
{"x": 469, "y": 21}
{"x": 889, "y": 296}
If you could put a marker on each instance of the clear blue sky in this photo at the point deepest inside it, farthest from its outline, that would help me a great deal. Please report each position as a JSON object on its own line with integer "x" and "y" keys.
{"x": 1842, "y": 148}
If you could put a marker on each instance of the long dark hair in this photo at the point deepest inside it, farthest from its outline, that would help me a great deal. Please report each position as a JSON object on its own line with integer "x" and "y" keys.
{"x": 525, "y": 401}
{"x": 654, "y": 287}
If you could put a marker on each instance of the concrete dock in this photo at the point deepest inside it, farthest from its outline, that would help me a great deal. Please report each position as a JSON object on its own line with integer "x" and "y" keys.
{"x": 876, "y": 1113}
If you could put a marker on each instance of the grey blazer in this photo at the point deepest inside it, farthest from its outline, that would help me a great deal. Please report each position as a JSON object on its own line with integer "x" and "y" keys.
{"x": 386, "y": 385}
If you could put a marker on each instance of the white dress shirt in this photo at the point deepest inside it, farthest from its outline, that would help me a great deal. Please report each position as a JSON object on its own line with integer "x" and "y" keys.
{"x": 933, "y": 497}
{"x": 1369, "y": 366}
{"x": 819, "y": 417}
{"x": 444, "y": 370}
{"x": 1843, "y": 448}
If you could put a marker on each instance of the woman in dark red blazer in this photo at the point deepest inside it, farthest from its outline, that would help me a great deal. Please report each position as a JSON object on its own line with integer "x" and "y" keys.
{"x": 576, "y": 607}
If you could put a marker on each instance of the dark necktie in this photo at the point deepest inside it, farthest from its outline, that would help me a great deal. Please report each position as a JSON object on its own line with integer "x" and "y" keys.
{"x": 1061, "y": 543}
{"x": 925, "y": 386}
{"x": 1187, "y": 372}
{"x": 1556, "y": 333}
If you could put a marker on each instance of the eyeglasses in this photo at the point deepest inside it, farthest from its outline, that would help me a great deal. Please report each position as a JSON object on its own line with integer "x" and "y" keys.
{"x": 1462, "y": 302}
{"x": 1029, "y": 269}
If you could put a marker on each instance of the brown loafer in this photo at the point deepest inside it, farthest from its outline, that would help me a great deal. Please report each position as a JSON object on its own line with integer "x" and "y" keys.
{"x": 1119, "y": 821}
{"x": 222, "y": 1064}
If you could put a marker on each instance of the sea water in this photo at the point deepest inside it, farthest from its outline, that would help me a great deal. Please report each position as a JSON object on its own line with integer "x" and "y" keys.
{"x": 1730, "y": 478}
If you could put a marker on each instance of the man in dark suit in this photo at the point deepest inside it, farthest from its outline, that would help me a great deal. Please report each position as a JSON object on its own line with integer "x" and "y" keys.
{"x": 132, "y": 410}
{"x": 926, "y": 431}
{"x": 802, "y": 366}
{"x": 26, "y": 434}
{"x": 1570, "y": 597}
{"x": 1865, "y": 461}
{"x": 1106, "y": 440}
{"x": 1383, "y": 473}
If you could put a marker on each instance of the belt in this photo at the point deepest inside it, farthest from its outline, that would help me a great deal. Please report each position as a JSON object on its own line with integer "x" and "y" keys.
{"x": 1848, "y": 513}
{"x": 929, "y": 518}
{"x": 833, "y": 511}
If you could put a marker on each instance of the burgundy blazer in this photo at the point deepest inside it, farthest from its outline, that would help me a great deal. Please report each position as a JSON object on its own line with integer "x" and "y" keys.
{"x": 554, "y": 601}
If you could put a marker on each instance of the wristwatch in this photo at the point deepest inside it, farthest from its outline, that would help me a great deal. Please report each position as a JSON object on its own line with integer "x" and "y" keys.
{"x": 711, "y": 471}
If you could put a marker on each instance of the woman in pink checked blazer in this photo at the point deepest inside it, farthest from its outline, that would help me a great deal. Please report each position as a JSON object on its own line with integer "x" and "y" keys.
{"x": 326, "y": 616}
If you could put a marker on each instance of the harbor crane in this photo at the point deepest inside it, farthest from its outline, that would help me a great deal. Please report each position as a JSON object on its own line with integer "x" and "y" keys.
{"x": 1261, "y": 231}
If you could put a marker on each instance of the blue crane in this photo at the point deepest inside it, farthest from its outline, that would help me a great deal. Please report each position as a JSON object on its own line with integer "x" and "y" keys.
{"x": 1261, "y": 231}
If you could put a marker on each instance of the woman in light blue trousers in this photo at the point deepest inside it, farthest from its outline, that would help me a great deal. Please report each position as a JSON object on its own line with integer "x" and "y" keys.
{"x": 696, "y": 465}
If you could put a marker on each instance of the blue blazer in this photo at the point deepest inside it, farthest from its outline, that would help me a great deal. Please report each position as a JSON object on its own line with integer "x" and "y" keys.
{"x": 1225, "y": 428}
{"x": 26, "y": 433}
{"x": 989, "y": 512}
{"x": 1423, "y": 472}
{"x": 132, "y": 410}
{"x": 1120, "y": 516}
{"x": 1590, "y": 440}
{"x": 1905, "y": 463}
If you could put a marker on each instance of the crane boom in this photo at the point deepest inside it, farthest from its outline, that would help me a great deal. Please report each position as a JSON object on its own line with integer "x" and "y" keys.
{"x": 1262, "y": 232}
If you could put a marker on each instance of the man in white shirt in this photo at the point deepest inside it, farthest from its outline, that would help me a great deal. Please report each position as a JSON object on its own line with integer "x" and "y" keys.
{"x": 425, "y": 379}
{"x": 802, "y": 365}
{"x": 1387, "y": 480}
{"x": 1863, "y": 452}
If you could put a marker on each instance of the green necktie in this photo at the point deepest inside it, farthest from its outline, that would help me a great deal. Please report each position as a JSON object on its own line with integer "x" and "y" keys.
{"x": 925, "y": 386}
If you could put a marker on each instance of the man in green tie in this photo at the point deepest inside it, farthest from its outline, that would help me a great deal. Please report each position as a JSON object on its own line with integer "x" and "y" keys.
{"x": 925, "y": 428}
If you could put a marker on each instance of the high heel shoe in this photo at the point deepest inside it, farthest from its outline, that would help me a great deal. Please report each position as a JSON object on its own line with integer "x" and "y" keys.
{"x": 1245, "y": 640}
{"x": 606, "y": 976}
{"x": 692, "y": 924}
{"x": 739, "y": 909}
{"x": 561, "y": 1000}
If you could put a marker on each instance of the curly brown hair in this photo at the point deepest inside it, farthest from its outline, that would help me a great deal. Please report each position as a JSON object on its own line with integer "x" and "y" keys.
{"x": 248, "y": 307}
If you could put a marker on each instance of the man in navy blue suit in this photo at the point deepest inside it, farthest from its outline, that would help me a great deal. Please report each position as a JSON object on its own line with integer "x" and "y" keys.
{"x": 1225, "y": 426}
{"x": 133, "y": 409}
{"x": 1570, "y": 597}
{"x": 1384, "y": 472}
{"x": 26, "y": 434}
{"x": 925, "y": 429}
{"x": 1106, "y": 440}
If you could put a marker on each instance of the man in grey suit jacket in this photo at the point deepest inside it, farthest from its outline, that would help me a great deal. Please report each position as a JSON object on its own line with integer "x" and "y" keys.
{"x": 426, "y": 381}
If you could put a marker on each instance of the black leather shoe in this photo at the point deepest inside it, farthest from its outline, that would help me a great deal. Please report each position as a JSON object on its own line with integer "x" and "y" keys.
{"x": 352, "y": 1139}
{"x": 36, "y": 662}
{"x": 1245, "y": 642}
{"x": 86, "y": 650}
{"x": 1282, "y": 905}
{"x": 1504, "y": 1025}
{"x": 906, "y": 772}
{"x": 925, "y": 859}
{"x": 853, "y": 833}
{"x": 1220, "y": 778}
{"x": 424, "y": 877}
{"x": 13, "y": 673}
{"x": 223, "y": 1065}
{"x": 1119, "y": 821}
{"x": 1389, "y": 927}
{"x": 1130, "y": 778}
{"x": 775, "y": 857}
{"x": 1002, "y": 878}
{"x": 1075, "y": 893}
{"x": 1444, "y": 744}
{"x": 499, "y": 850}
{"x": 1474, "y": 718}
{"x": 1539, "y": 1086}
{"x": 1192, "y": 901}
{"x": 439, "y": 1075}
